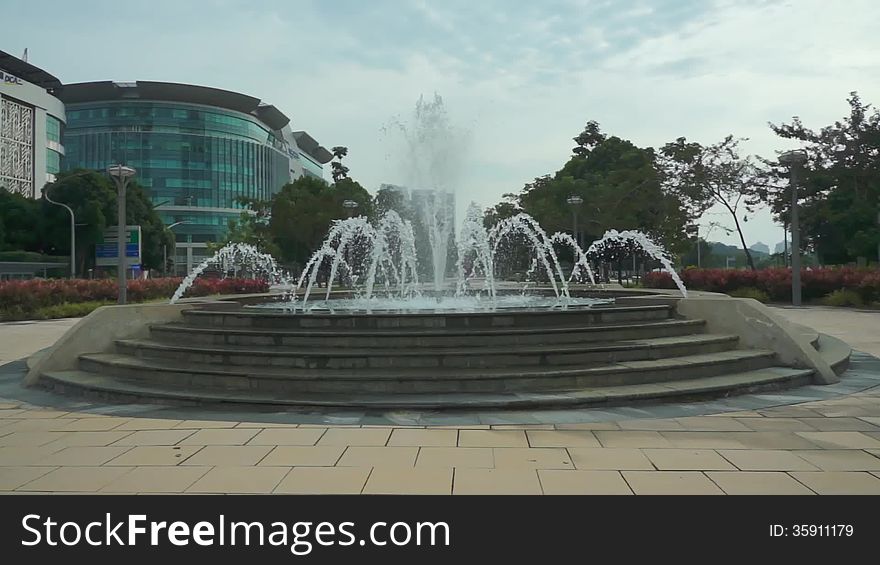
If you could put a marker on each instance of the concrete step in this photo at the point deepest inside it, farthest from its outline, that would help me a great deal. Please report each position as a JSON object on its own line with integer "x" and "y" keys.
{"x": 574, "y": 316}
{"x": 402, "y": 357}
{"x": 287, "y": 381}
{"x": 418, "y": 337}
{"x": 766, "y": 379}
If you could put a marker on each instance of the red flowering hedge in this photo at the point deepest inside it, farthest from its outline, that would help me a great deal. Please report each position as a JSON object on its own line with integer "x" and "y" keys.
{"x": 776, "y": 282}
{"x": 30, "y": 295}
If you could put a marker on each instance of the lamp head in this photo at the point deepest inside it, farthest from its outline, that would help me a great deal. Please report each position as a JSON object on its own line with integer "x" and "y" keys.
{"x": 794, "y": 157}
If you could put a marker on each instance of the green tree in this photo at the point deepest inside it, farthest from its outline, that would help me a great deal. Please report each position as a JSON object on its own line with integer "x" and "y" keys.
{"x": 338, "y": 170}
{"x": 304, "y": 209}
{"x": 715, "y": 174}
{"x": 19, "y": 222}
{"x": 252, "y": 227}
{"x": 839, "y": 189}
{"x": 620, "y": 187}
{"x": 92, "y": 197}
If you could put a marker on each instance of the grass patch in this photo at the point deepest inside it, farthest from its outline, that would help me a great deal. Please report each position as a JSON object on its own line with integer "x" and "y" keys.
{"x": 843, "y": 297}
{"x": 66, "y": 310}
{"x": 750, "y": 292}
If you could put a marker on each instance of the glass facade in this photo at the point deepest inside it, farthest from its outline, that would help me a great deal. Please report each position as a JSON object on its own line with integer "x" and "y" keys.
{"x": 193, "y": 160}
{"x": 53, "y": 129}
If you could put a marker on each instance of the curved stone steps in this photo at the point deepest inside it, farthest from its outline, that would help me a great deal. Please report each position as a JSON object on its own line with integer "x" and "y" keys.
{"x": 288, "y": 381}
{"x": 385, "y": 320}
{"x": 420, "y": 337}
{"x": 767, "y": 379}
{"x": 399, "y": 358}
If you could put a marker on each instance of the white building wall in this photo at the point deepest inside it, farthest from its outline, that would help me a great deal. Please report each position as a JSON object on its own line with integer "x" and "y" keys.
{"x": 14, "y": 93}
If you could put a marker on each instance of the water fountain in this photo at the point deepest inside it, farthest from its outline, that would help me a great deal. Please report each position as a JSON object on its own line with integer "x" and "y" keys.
{"x": 646, "y": 244}
{"x": 391, "y": 340}
{"x": 234, "y": 257}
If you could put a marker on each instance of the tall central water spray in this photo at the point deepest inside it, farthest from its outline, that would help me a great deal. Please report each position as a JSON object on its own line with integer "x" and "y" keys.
{"x": 431, "y": 159}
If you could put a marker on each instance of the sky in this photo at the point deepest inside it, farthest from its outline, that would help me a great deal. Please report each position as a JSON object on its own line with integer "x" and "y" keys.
{"x": 521, "y": 78}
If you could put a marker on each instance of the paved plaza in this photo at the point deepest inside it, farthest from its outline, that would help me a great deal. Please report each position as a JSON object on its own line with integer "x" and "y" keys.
{"x": 807, "y": 441}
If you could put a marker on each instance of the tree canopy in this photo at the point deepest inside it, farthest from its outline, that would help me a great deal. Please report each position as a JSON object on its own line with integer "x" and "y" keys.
{"x": 39, "y": 226}
{"x": 839, "y": 188}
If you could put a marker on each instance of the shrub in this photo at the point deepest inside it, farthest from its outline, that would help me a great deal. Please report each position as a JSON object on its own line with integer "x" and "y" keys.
{"x": 750, "y": 292}
{"x": 776, "y": 282}
{"x": 22, "y": 300}
{"x": 74, "y": 310}
{"x": 843, "y": 297}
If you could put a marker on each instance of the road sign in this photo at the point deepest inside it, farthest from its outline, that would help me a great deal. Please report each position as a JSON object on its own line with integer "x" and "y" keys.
{"x": 107, "y": 250}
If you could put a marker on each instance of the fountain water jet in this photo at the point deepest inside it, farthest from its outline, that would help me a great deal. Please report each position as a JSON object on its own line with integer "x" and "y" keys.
{"x": 232, "y": 257}
{"x": 647, "y": 245}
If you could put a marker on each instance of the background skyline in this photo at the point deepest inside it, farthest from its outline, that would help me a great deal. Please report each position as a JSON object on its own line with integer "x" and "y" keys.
{"x": 522, "y": 79}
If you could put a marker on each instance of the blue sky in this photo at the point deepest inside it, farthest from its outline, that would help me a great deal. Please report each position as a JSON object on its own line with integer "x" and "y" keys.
{"x": 520, "y": 77}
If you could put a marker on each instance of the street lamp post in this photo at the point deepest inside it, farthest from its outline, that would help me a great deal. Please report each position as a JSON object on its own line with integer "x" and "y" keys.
{"x": 575, "y": 201}
{"x": 165, "y": 249}
{"x": 121, "y": 175}
{"x": 794, "y": 160}
{"x": 72, "y": 231}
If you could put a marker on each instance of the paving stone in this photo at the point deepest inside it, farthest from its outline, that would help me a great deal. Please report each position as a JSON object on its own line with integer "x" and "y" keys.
{"x": 148, "y": 424}
{"x": 752, "y": 482}
{"x": 446, "y": 457}
{"x": 609, "y": 458}
{"x": 304, "y": 456}
{"x": 423, "y": 438}
{"x": 687, "y": 460}
{"x": 495, "y": 481}
{"x": 670, "y": 482}
{"x": 102, "y": 424}
{"x": 841, "y": 459}
{"x": 766, "y": 460}
{"x": 156, "y": 437}
{"x": 287, "y": 436}
{"x": 220, "y": 437}
{"x": 841, "y": 424}
{"x": 29, "y": 439}
{"x": 418, "y": 480}
{"x": 76, "y": 479}
{"x": 771, "y": 440}
{"x": 532, "y": 458}
{"x": 589, "y": 426}
{"x": 655, "y": 424}
{"x": 157, "y": 479}
{"x": 839, "y": 482}
{"x": 205, "y": 424}
{"x": 83, "y": 456}
{"x": 492, "y": 438}
{"x": 14, "y": 456}
{"x": 13, "y": 477}
{"x": 154, "y": 455}
{"x": 324, "y": 480}
{"x": 228, "y": 455}
{"x": 243, "y": 480}
{"x": 582, "y": 482}
{"x": 632, "y": 439}
{"x": 711, "y": 424}
{"x": 356, "y": 436}
{"x": 89, "y": 439}
{"x": 841, "y": 440}
{"x": 368, "y": 456}
{"x": 776, "y": 424}
{"x": 562, "y": 438}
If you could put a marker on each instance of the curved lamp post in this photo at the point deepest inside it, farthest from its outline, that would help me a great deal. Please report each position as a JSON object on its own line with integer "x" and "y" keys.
{"x": 575, "y": 201}
{"x": 72, "y": 230}
{"x": 794, "y": 160}
{"x": 121, "y": 175}
{"x": 165, "y": 248}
